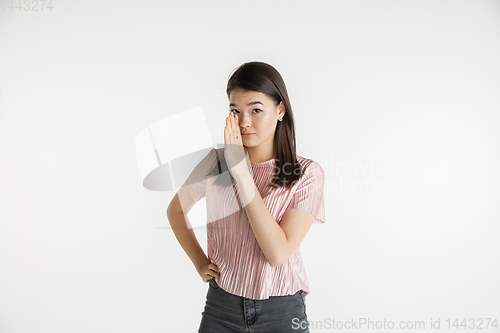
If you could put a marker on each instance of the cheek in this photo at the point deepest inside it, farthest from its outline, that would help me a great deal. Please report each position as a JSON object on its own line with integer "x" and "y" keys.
{"x": 264, "y": 126}
{"x": 269, "y": 126}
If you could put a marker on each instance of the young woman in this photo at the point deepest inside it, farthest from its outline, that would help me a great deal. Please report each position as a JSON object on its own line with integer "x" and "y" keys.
{"x": 262, "y": 199}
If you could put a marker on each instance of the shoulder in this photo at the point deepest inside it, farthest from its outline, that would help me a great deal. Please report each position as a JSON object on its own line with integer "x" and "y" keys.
{"x": 309, "y": 166}
{"x": 207, "y": 158}
{"x": 218, "y": 154}
{"x": 215, "y": 153}
{"x": 218, "y": 150}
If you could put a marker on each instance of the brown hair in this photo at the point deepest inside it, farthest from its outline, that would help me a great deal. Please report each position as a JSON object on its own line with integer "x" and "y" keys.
{"x": 264, "y": 78}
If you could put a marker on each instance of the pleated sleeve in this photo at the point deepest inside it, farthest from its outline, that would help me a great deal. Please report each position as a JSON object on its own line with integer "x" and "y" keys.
{"x": 197, "y": 181}
{"x": 309, "y": 195}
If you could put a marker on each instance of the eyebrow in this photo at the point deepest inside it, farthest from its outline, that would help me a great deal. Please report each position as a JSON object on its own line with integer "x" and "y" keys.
{"x": 251, "y": 103}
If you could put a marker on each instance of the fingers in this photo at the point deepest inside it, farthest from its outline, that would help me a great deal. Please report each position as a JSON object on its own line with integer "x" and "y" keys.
{"x": 214, "y": 268}
{"x": 236, "y": 127}
{"x": 227, "y": 132}
{"x": 211, "y": 272}
{"x": 209, "y": 276}
{"x": 232, "y": 129}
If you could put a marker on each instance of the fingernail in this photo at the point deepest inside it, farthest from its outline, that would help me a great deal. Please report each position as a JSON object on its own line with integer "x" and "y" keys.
{"x": 215, "y": 274}
{"x": 227, "y": 118}
{"x": 226, "y": 128}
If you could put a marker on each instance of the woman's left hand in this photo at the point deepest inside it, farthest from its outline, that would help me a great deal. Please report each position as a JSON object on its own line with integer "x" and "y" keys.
{"x": 234, "y": 153}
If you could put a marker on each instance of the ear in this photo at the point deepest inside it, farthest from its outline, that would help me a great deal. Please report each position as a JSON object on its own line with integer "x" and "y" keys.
{"x": 281, "y": 108}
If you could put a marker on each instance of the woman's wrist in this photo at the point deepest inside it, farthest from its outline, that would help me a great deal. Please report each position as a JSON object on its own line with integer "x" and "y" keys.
{"x": 201, "y": 263}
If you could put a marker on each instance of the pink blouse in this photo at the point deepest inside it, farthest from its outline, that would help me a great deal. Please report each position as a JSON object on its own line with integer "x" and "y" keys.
{"x": 231, "y": 243}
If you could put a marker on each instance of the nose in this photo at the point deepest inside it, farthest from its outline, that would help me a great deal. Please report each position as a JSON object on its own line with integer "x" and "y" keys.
{"x": 244, "y": 122}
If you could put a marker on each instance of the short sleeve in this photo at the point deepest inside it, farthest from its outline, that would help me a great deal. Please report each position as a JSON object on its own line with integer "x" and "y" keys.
{"x": 309, "y": 195}
{"x": 197, "y": 180}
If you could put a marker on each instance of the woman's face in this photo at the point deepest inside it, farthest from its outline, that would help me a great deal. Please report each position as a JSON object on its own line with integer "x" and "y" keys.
{"x": 257, "y": 114}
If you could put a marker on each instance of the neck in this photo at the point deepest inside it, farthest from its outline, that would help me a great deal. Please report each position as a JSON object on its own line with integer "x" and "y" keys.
{"x": 258, "y": 156}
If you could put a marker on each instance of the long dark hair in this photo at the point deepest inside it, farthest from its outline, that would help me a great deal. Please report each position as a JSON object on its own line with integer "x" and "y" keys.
{"x": 264, "y": 78}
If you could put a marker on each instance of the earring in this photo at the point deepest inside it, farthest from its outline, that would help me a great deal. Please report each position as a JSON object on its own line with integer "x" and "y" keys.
{"x": 281, "y": 119}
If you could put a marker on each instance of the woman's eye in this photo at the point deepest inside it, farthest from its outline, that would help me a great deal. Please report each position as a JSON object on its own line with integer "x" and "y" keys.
{"x": 234, "y": 111}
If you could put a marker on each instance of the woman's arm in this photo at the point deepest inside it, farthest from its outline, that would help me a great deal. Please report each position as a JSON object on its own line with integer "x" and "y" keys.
{"x": 188, "y": 241}
{"x": 186, "y": 236}
{"x": 277, "y": 241}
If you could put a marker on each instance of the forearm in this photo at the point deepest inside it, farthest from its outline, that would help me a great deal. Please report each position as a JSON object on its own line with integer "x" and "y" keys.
{"x": 271, "y": 238}
{"x": 187, "y": 239}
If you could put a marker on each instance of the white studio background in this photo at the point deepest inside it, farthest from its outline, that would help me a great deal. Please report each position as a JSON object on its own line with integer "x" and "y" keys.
{"x": 397, "y": 100}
